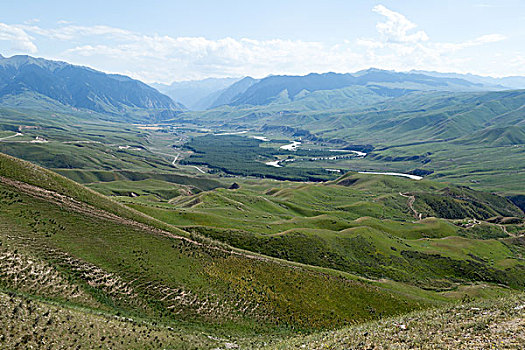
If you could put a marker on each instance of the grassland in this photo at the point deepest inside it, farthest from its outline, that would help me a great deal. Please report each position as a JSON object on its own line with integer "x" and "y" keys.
{"x": 364, "y": 225}
{"x": 495, "y": 324}
{"x": 77, "y": 253}
{"x": 473, "y": 139}
{"x": 190, "y": 261}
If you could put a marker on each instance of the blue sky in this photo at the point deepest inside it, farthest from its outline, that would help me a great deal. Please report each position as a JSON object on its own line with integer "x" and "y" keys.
{"x": 164, "y": 41}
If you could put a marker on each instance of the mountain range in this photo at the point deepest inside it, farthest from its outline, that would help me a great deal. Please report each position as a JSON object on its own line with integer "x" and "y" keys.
{"x": 512, "y": 82}
{"x": 383, "y": 83}
{"x": 334, "y": 90}
{"x": 38, "y": 82}
{"x": 27, "y": 81}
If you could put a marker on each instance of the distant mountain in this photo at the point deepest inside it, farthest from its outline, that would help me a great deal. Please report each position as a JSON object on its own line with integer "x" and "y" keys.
{"x": 40, "y": 81}
{"x": 230, "y": 94}
{"x": 513, "y": 82}
{"x": 195, "y": 94}
{"x": 284, "y": 89}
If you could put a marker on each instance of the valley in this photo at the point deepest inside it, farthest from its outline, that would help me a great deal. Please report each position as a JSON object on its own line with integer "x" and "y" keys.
{"x": 297, "y": 212}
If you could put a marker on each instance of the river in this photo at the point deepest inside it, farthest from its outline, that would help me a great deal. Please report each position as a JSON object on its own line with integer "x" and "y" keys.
{"x": 413, "y": 177}
{"x": 292, "y": 146}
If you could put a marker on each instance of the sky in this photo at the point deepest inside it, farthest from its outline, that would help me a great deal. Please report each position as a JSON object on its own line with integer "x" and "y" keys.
{"x": 166, "y": 41}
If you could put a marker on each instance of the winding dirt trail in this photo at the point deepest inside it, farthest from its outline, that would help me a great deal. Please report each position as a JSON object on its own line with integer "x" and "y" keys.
{"x": 199, "y": 169}
{"x": 506, "y": 232}
{"x": 11, "y": 136}
{"x": 174, "y": 163}
{"x": 410, "y": 202}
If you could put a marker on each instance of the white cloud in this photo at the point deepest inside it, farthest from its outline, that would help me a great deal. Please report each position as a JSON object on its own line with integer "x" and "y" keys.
{"x": 18, "y": 38}
{"x": 398, "y": 45}
{"x": 397, "y": 26}
{"x": 70, "y": 32}
{"x": 482, "y": 40}
{"x": 489, "y": 38}
{"x": 163, "y": 58}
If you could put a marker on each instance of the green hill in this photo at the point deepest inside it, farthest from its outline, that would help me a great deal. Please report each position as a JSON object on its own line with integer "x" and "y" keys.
{"x": 467, "y": 138}
{"x": 349, "y": 253}
{"x": 369, "y": 225}
{"x": 497, "y": 136}
{"x": 93, "y": 256}
{"x": 480, "y": 325}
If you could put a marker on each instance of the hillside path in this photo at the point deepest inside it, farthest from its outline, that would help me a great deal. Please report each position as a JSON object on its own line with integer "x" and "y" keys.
{"x": 11, "y": 136}
{"x": 410, "y": 202}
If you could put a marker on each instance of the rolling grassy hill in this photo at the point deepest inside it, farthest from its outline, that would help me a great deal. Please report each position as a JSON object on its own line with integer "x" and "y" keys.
{"x": 156, "y": 270}
{"x": 68, "y": 253}
{"x": 418, "y": 232}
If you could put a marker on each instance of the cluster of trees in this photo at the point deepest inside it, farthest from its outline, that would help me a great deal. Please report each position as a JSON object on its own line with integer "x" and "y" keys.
{"x": 239, "y": 155}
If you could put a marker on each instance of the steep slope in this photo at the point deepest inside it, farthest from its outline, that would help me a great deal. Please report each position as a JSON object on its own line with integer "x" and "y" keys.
{"x": 47, "y": 184}
{"x": 81, "y": 87}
